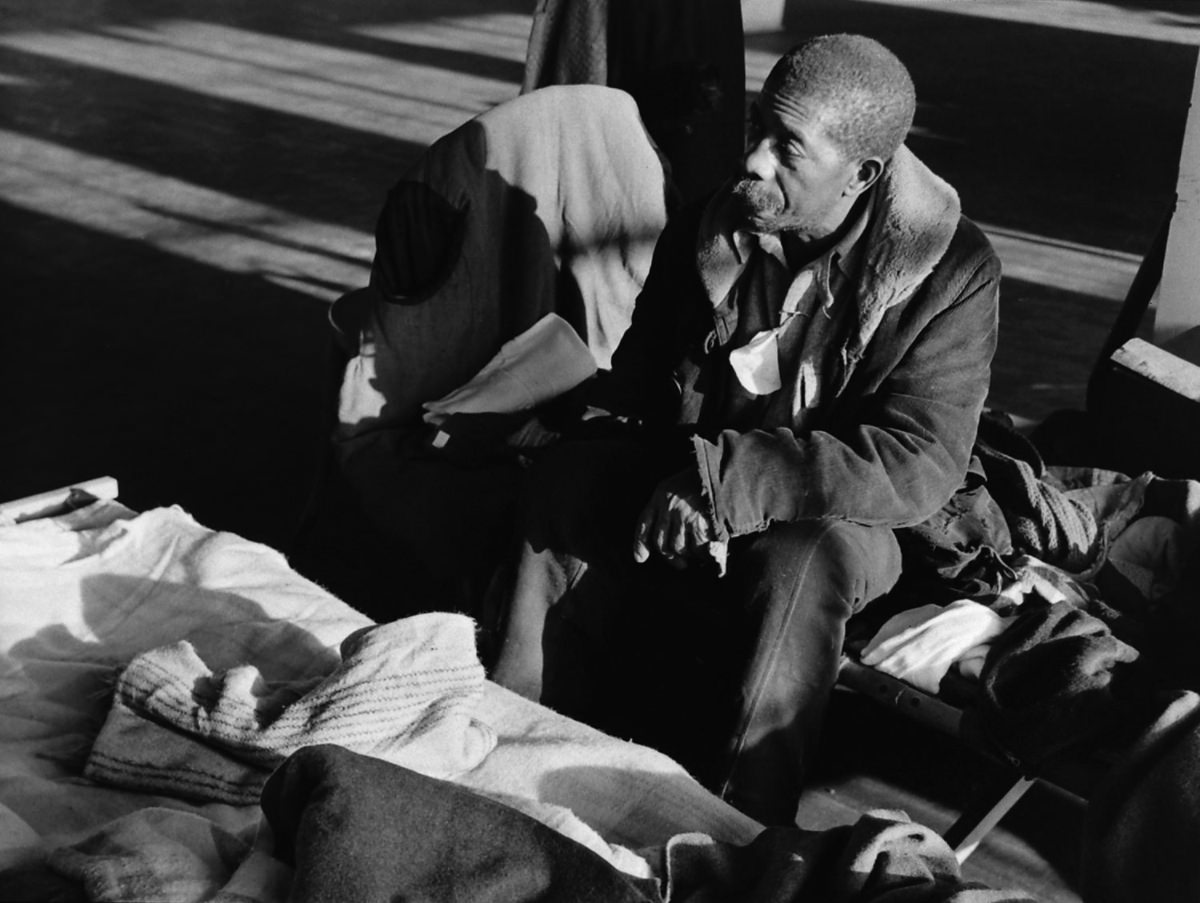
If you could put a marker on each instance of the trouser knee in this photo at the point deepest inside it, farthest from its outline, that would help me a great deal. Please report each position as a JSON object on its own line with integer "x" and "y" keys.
{"x": 801, "y": 582}
{"x": 850, "y": 564}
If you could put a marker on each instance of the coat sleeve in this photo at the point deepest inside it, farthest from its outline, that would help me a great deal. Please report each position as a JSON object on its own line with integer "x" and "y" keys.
{"x": 904, "y": 454}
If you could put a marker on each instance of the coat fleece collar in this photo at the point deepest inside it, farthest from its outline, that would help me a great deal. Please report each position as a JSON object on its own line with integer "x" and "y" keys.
{"x": 914, "y": 216}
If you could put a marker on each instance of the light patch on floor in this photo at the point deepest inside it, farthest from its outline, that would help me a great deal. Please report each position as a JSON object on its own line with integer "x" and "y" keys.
{"x": 231, "y": 234}
{"x": 1073, "y": 267}
{"x": 1119, "y": 19}
{"x": 351, "y": 89}
{"x": 504, "y": 36}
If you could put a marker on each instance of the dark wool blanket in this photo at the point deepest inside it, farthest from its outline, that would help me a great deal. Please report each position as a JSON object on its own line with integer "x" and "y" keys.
{"x": 361, "y": 830}
{"x": 1055, "y": 679}
{"x": 1143, "y": 822}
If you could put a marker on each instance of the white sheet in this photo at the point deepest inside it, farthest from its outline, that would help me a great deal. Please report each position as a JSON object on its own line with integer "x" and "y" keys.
{"x": 82, "y": 594}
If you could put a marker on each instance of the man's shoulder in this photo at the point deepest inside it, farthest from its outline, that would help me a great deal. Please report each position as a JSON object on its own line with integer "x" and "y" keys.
{"x": 970, "y": 251}
{"x": 969, "y": 267}
{"x": 969, "y": 236}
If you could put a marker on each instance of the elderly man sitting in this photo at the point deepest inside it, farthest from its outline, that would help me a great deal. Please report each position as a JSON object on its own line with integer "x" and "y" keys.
{"x": 804, "y": 373}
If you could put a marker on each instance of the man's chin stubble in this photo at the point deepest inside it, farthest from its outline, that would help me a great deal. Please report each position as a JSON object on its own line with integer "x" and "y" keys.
{"x": 752, "y": 213}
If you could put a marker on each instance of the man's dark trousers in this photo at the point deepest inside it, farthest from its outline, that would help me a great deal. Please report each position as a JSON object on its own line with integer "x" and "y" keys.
{"x": 729, "y": 674}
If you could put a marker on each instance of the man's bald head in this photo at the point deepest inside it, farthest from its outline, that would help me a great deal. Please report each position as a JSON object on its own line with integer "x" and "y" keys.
{"x": 866, "y": 91}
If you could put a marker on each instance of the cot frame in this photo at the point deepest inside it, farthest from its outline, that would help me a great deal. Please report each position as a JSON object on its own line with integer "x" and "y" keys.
{"x": 1076, "y": 777}
{"x": 58, "y": 501}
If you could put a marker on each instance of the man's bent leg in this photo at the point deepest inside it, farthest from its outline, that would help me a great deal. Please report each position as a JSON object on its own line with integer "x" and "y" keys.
{"x": 574, "y": 566}
{"x": 799, "y": 584}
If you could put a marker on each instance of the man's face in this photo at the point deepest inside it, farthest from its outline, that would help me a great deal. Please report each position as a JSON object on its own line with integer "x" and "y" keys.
{"x": 793, "y": 175}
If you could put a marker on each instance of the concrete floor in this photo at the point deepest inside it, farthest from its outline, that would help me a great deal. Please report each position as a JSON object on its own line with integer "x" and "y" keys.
{"x": 184, "y": 187}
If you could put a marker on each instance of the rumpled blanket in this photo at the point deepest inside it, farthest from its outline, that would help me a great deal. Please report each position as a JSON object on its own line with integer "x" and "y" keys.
{"x": 1012, "y": 503}
{"x": 170, "y": 856}
{"x": 342, "y": 817}
{"x": 362, "y": 831}
{"x": 1042, "y": 519}
{"x": 1056, "y": 678}
{"x": 1111, "y": 550}
{"x": 921, "y": 644}
{"x": 1065, "y": 516}
{"x": 405, "y": 692}
{"x": 1143, "y": 821}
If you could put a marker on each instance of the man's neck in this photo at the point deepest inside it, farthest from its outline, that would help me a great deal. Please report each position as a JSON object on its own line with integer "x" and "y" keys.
{"x": 802, "y": 249}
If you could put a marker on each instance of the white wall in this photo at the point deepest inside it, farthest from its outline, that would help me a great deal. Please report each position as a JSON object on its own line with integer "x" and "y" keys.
{"x": 1179, "y": 294}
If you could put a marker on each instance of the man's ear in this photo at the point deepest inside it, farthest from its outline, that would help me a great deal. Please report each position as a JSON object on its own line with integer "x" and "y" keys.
{"x": 865, "y": 175}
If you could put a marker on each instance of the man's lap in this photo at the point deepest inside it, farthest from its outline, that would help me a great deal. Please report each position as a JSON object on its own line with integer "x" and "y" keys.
{"x": 649, "y": 651}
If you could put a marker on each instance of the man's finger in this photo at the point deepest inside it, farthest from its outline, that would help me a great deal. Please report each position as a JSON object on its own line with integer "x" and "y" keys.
{"x": 641, "y": 551}
{"x": 655, "y": 540}
{"x": 675, "y": 537}
{"x": 695, "y": 535}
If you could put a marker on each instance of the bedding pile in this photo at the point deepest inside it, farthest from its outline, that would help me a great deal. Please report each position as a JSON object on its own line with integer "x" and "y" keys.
{"x": 142, "y": 648}
{"x": 156, "y": 675}
{"x": 1056, "y": 605}
{"x": 464, "y": 847}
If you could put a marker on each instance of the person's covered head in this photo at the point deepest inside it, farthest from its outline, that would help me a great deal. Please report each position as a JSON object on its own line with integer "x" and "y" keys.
{"x": 832, "y": 113}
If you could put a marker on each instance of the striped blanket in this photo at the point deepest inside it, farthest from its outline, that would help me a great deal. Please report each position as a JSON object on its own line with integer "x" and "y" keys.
{"x": 405, "y": 692}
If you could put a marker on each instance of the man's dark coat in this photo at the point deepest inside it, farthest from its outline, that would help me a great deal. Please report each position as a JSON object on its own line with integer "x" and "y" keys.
{"x": 893, "y": 438}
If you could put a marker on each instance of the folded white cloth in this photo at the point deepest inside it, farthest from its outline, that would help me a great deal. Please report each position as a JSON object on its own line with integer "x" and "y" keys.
{"x": 756, "y": 364}
{"x": 405, "y": 692}
{"x": 544, "y": 361}
{"x": 920, "y": 645}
